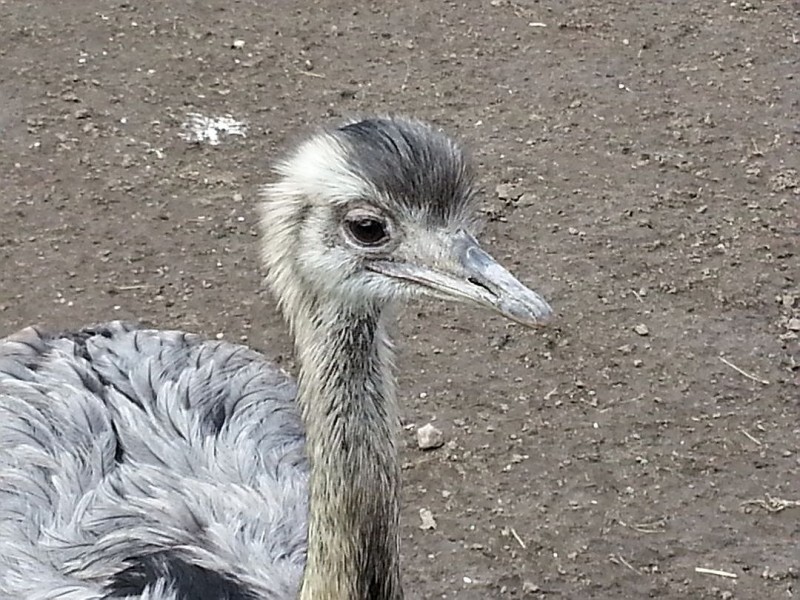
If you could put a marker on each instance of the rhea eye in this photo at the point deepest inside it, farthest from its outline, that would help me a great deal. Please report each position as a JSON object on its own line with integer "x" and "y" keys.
{"x": 368, "y": 231}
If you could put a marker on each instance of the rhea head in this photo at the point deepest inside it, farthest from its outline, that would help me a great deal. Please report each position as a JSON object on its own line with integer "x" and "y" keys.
{"x": 379, "y": 210}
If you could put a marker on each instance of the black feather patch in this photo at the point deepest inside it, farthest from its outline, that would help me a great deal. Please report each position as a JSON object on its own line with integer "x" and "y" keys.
{"x": 413, "y": 164}
{"x": 187, "y": 581}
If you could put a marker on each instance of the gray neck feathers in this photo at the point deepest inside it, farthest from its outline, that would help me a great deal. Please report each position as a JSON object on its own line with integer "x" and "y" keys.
{"x": 346, "y": 392}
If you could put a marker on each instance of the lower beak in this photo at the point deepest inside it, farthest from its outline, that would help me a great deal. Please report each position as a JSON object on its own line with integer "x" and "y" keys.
{"x": 471, "y": 275}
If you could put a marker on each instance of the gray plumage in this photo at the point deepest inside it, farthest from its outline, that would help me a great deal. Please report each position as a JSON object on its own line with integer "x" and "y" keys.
{"x": 118, "y": 442}
{"x": 157, "y": 465}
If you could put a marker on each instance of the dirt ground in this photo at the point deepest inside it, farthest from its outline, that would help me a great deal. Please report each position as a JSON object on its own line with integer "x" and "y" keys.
{"x": 648, "y": 162}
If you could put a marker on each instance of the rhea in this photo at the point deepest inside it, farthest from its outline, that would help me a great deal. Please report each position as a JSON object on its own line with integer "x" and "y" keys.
{"x": 138, "y": 463}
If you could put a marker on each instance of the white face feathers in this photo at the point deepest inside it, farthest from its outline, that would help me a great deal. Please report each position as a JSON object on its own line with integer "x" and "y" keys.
{"x": 378, "y": 210}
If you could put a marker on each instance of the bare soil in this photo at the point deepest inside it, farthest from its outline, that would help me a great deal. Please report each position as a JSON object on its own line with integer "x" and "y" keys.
{"x": 648, "y": 156}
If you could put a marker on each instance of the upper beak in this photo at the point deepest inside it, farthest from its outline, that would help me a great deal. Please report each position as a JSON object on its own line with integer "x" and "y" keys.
{"x": 468, "y": 274}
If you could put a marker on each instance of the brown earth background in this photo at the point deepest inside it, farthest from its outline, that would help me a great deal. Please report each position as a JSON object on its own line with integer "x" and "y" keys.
{"x": 640, "y": 162}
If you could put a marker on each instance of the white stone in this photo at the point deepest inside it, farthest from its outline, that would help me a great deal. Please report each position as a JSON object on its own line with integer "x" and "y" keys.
{"x": 429, "y": 437}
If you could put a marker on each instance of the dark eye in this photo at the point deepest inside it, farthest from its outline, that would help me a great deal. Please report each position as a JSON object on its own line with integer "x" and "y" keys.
{"x": 367, "y": 231}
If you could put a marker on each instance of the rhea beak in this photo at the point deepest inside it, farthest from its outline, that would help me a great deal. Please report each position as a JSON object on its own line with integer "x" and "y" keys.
{"x": 468, "y": 274}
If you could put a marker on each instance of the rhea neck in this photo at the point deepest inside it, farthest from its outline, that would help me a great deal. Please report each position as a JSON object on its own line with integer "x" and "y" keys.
{"x": 347, "y": 396}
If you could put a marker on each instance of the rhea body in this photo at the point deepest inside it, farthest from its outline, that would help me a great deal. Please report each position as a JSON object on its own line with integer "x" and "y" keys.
{"x": 156, "y": 465}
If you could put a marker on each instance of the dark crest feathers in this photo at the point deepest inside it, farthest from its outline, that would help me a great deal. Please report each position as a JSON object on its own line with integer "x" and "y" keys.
{"x": 412, "y": 163}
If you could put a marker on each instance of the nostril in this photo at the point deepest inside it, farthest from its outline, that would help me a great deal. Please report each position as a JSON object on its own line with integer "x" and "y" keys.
{"x": 477, "y": 282}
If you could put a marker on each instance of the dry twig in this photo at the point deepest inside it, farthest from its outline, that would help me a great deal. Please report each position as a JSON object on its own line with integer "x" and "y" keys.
{"x": 310, "y": 74}
{"x": 519, "y": 539}
{"x": 655, "y": 526}
{"x": 716, "y": 572}
{"x": 618, "y": 558}
{"x": 755, "y": 440}
{"x": 772, "y": 504}
{"x": 743, "y": 372}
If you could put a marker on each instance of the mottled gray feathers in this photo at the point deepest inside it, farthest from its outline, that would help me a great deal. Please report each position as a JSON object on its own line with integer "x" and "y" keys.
{"x": 131, "y": 457}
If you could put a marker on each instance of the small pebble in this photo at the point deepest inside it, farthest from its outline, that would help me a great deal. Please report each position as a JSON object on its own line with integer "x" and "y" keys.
{"x": 429, "y": 437}
{"x": 428, "y": 522}
{"x": 507, "y": 191}
{"x": 641, "y": 329}
{"x": 528, "y": 587}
